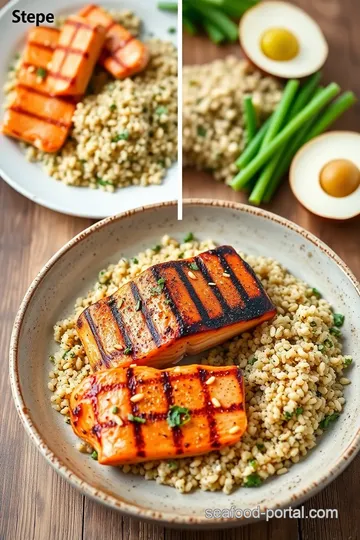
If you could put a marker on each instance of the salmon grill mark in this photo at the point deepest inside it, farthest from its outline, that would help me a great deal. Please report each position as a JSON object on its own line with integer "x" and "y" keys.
{"x": 72, "y": 50}
{"x": 66, "y": 99}
{"x": 117, "y": 60}
{"x": 139, "y": 439}
{"x": 191, "y": 290}
{"x": 172, "y": 305}
{"x": 176, "y": 430}
{"x": 149, "y": 322}
{"x": 209, "y": 409}
{"x": 38, "y": 45}
{"x": 53, "y": 74}
{"x": 228, "y": 269}
{"x": 110, "y": 26}
{"x": 97, "y": 338}
{"x": 21, "y": 110}
{"x": 121, "y": 325}
{"x": 122, "y": 45}
{"x": 216, "y": 291}
{"x": 79, "y": 24}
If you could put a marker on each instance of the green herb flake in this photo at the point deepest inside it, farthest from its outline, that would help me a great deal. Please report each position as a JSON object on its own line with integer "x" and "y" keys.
{"x": 201, "y": 131}
{"x": 253, "y": 480}
{"x": 122, "y": 136}
{"x": 136, "y": 419}
{"x": 335, "y": 331}
{"x": 156, "y": 249}
{"x": 115, "y": 410}
{"x": 321, "y": 347}
{"x": 313, "y": 323}
{"x": 328, "y": 420}
{"x": 189, "y": 237}
{"x": 94, "y": 455}
{"x": 181, "y": 256}
{"x": 172, "y": 30}
{"x": 113, "y": 107}
{"x": 253, "y": 463}
{"x": 128, "y": 350}
{"x": 328, "y": 343}
{"x": 178, "y": 416}
{"x": 298, "y": 411}
{"x": 252, "y": 361}
{"x": 260, "y": 446}
{"x": 135, "y": 260}
{"x": 159, "y": 288}
{"x": 338, "y": 319}
{"x": 347, "y": 361}
{"x": 193, "y": 266}
{"x": 168, "y": 302}
{"x": 287, "y": 415}
{"x": 161, "y": 110}
{"x": 102, "y": 182}
{"x": 52, "y": 359}
{"x": 138, "y": 305}
{"x": 41, "y": 72}
{"x": 316, "y": 293}
{"x": 173, "y": 465}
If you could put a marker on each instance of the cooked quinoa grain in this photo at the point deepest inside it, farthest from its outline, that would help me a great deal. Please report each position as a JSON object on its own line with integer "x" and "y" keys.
{"x": 294, "y": 384}
{"x": 124, "y": 131}
{"x": 213, "y": 121}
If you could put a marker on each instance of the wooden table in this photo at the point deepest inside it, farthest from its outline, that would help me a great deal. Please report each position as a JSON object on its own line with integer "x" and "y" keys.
{"x": 35, "y": 503}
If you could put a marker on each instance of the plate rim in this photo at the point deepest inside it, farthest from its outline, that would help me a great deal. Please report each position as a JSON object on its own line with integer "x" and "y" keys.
{"x": 134, "y": 510}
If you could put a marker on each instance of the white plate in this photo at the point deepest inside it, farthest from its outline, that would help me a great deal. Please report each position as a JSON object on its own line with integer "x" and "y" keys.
{"x": 72, "y": 272}
{"x": 28, "y": 178}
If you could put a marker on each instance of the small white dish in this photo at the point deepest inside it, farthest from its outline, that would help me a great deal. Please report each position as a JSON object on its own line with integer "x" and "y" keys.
{"x": 28, "y": 178}
{"x": 72, "y": 271}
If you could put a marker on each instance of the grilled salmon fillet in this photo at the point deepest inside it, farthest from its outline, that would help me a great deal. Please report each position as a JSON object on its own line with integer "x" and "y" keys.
{"x": 33, "y": 115}
{"x": 123, "y": 55}
{"x": 76, "y": 53}
{"x": 141, "y": 413}
{"x": 174, "y": 308}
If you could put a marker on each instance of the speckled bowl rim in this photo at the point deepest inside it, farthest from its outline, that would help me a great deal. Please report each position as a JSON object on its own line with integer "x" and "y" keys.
{"x": 133, "y": 510}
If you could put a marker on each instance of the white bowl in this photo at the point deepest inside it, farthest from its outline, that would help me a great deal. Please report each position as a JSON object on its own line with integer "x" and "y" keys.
{"x": 73, "y": 270}
{"x": 28, "y": 178}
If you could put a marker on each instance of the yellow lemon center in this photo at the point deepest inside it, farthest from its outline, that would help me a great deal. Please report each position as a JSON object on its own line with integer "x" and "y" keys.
{"x": 340, "y": 178}
{"x": 279, "y": 44}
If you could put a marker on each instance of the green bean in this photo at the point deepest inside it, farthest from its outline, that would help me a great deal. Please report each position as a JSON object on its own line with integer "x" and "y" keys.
{"x": 250, "y": 118}
{"x": 168, "y": 6}
{"x": 213, "y": 32}
{"x": 315, "y": 105}
{"x": 306, "y": 93}
{"x": 253, "y": 147}
{"x": 217, "y": 17}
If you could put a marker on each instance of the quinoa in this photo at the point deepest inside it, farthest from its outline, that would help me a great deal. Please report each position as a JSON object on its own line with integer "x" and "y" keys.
{"x": 213, "y": 120}
{"x": 124, "y": 131}
{"x": 293, "y": 370}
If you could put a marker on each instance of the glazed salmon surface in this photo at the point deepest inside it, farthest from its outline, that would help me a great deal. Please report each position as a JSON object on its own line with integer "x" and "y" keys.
{"x": 33, "y": 115}
{"x": 123, "y": 55}
{"x": 141, "y": 413}
{"x": 75, "y": 56}
{"x": 173, "y": 309}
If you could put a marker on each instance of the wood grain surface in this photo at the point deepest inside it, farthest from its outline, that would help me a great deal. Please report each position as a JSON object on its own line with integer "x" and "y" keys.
{"x": 35, "y": 503}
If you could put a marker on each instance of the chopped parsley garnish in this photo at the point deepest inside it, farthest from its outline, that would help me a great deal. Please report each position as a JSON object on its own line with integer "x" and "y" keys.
{"x": 167, "y": 301}
{"x": 178, "y": 416}
{"x": 115, "y": 410}
{"x": 135, "y": 260}
{"x": 128, "y": 350}
{"x": 252, "y": 361}
{"x": 180, "y": 256}
{"x": 253, "y": 463}
{"x": 138, "y": 305}
{"x": 260, "y": 446}
{"x": 193, "y": 266}
{"x": 41, "y": 72}
{"x": 112, "y": 107}
{"x": 173, "y": 465}
{"x": 328, "y": 343}
{"x": 172, "y": 30}
{"x": 253, "y": 480}
{"x": 325, "y": 423}
{"x": 159, "y": 288}
{"x": 94, "y": 455}
{"x": 102, "y": 182}
{"x": 52, "y": 359}
{"x": 137, "y": 419}
{"x": 189, "y": 237}
{"x": 122, "y": 136}
{"x": 287, "y": 415}
{"x": 335, "y": 331}
{"x": 161, "y": 110}
{"x": 156, "y": 248}
{"x": 338, "y": 319}
{"x": 348, "y": 361}
{"x": 316, "y": 293}
{"x": 321, "y": 347}
{"x": 201, "y": 131}
{"x": 299, "y": 411}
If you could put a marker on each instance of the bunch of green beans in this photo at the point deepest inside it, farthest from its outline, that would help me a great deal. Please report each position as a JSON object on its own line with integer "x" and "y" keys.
{"x": 302, "y": 114}
{"x": 215, "y": 17}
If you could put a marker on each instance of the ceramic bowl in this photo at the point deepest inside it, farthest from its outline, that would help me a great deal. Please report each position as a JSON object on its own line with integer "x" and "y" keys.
{"x": 71, "y": 272}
